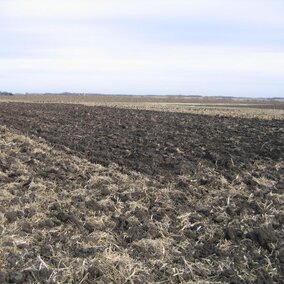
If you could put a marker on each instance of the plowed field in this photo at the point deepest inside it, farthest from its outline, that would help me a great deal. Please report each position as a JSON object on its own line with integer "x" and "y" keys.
{"x": 154, "y": 143}
{"x": 179, "y": 197}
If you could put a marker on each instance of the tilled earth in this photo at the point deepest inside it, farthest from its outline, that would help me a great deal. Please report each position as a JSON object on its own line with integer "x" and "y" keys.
{"x": 162, "y": 145}
{"x": 181, "y": 198}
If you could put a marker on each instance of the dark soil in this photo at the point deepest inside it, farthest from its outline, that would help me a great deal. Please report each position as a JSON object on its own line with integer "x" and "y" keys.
{"x": 207, "y": 208}
{"x": 158, "y": 144}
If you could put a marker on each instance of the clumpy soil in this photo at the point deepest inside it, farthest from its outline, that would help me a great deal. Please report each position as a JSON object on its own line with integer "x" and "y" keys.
{"x": 158, "y": 144}
{"x": 104, "y": 195}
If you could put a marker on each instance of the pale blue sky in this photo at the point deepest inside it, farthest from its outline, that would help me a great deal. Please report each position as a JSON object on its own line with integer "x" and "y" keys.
{"x": 193, "y": 47}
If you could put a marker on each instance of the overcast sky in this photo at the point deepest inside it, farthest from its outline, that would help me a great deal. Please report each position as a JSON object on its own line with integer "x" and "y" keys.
{"x": 192, "y": 47}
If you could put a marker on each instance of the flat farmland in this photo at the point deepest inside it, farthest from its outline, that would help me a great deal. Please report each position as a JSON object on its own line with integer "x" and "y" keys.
{"x": 138, "y": 194}
{"x": 160, "y": 144}
{"x": 246, "y": 108}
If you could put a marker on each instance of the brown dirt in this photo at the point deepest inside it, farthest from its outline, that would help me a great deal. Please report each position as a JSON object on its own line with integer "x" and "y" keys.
{"x": 246, "y": 108}
{"x": 163, "y": 145}
{"x": 206, "y": 205}
{"x": 142, "y": 99}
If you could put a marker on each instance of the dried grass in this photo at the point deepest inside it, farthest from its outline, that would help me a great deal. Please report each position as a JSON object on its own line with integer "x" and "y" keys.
{"x": 66, "y": 220}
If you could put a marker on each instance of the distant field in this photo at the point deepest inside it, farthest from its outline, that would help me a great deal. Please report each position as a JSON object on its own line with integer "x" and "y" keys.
{"x": 263, "y": 109}
{"x": 141, "y": 190}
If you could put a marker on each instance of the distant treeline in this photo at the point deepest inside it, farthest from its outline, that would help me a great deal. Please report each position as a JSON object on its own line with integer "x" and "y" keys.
{"x": 5, "y": 94}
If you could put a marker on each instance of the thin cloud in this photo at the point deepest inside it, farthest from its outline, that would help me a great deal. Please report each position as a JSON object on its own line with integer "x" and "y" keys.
{"x": 201, "y": 46}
